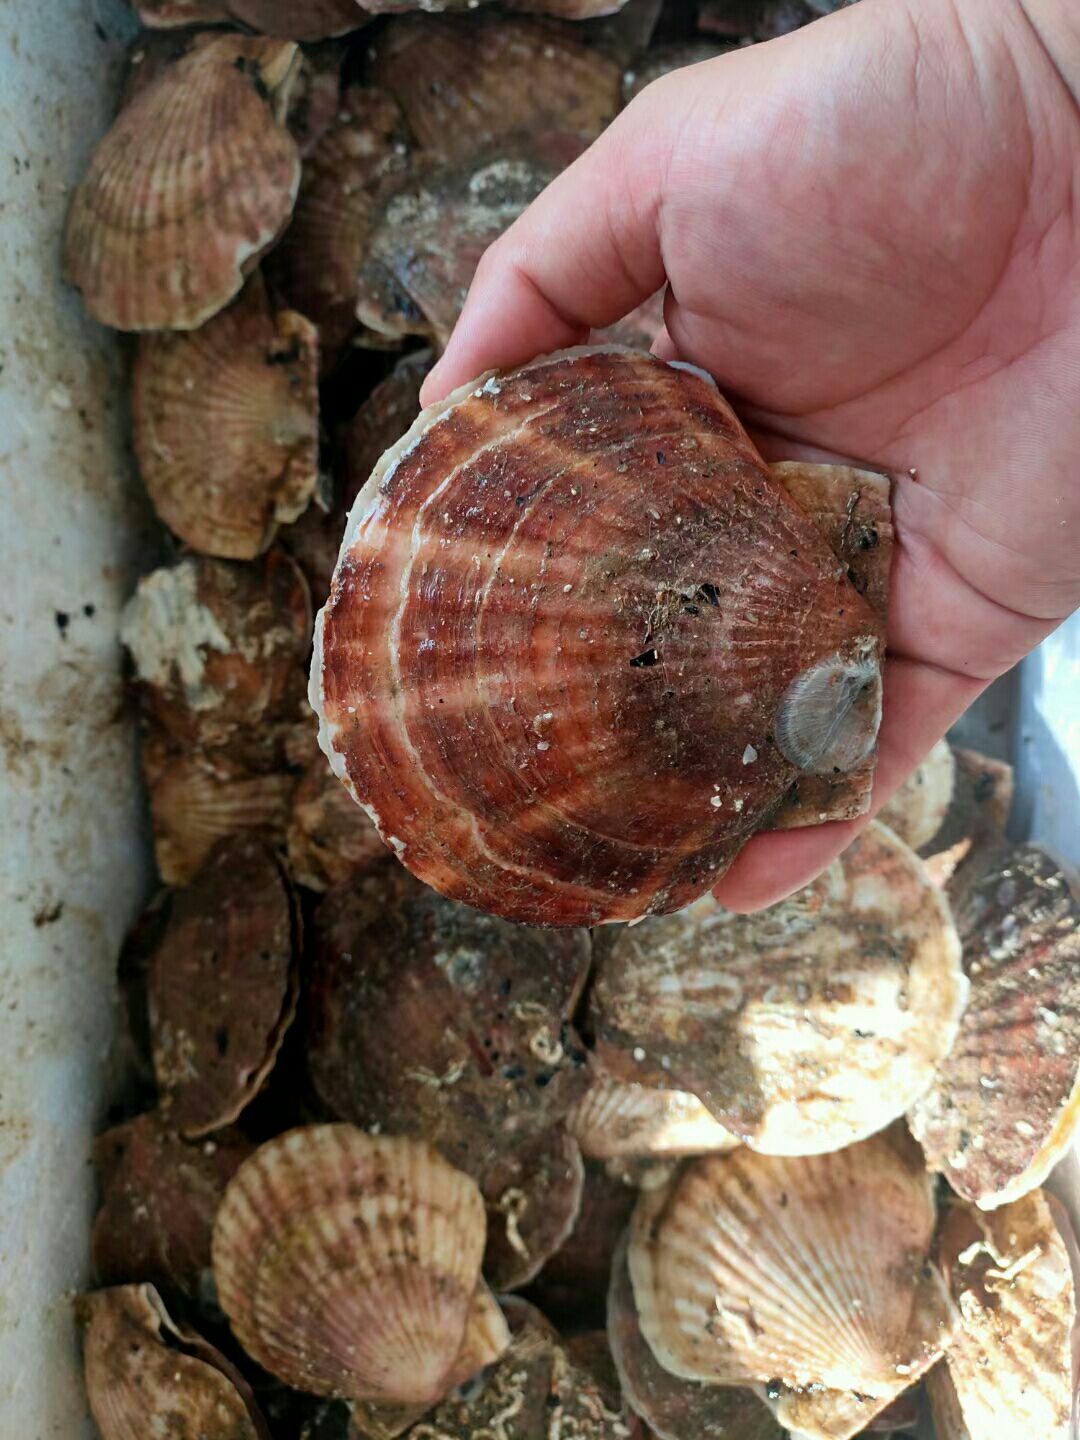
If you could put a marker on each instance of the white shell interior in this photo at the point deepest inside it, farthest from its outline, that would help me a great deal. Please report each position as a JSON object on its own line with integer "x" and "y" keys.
{"x": 74, "y": 856}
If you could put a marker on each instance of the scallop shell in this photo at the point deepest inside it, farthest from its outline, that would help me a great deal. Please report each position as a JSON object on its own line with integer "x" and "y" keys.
{"x": 379, "y": 423}
{"x": 675, "y": 1409}
{"x": 316, "y": 265}
{"x": 315, "y": 98}
{"x": 1005, "y": 1103}
{"x": 804, "y": 1027}
{"x": 573, "y": 1284}
{"x": 155, "y": 242}
{"x": 577, "y": 701}
{"x": 307, "y": 21}
{"x": 917, "y": 811}
{"x": 223, "y": 986}
{"x": 617, "y": 1120}
{"x": 533, "y": 1196}
{"x": 468, "y": 82}
{"x": 217, "y": 651}
{"x": 427, "y": 237}
{"x": 977, "y": 815}
{"x": 1010, "y": 1365}
{"x": 198, "y": 798}
{"x": 159, "y": 1198}
{"x": 749, "y": 1269}
{"x": 347, "y": 1263}
{"x": 226, "y": 423}
{"x": 569, "y": 9}
{"x": 456, "y": 1026}
{"x": 327, "y": 841}
{"x": 146, "y": 1375}
{"x": 663, "y": 60}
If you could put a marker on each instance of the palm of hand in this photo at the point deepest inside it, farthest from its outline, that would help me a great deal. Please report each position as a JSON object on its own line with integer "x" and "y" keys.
{"x": 873, "y": 244}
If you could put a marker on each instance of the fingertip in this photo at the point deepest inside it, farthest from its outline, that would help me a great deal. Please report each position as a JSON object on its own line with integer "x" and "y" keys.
{"x": 772, "y": 866}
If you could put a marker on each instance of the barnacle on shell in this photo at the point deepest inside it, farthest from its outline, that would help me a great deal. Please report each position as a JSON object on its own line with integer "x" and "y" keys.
{"x": 533, "y": 1195}
{"x": 226, "y": 425}
{"x": 147, "y": 1375}
{"x": 570, "y": 605}
{"x": 196, "y": 178}
{"x": 348, "y": 1264}
{"x": 1005, "y": 1102}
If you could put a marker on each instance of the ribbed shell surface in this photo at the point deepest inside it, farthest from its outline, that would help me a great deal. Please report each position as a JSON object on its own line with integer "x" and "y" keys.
{"x": 193, "y": 182}
{"x": 615, "y": 1120}
{"x": 566, "y": 612}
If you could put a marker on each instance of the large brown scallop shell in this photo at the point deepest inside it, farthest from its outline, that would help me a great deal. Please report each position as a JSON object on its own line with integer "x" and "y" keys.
{"x": 223, "y": 986}
{"x": 580, "y": 642}
{"x": 1005, "y": 1103}
{"x": 159, "y": 1199}
{"x": 1010, "y": 1365}
{"x": 573, "y": 1284}
{"x": 431, "y": 1019}
{"x": 157, "y": 240}
{"x": 675, "y": 1409}
{"x": 226, "y": 425}
{"x": 803, "y": 1027}
{"x": 468, "y": 82}
{"x": 749, "y": 1269}
{"x": 217, "y": 650}
{"x": 533, "y": 1195}
{"x": 347, "y": 1263}
{"x": 199, "y": 797}
{"x": 148, "y": 1376}
{"x": 617, "y": 1120}
{"x": 427, "y": 237}
{"x": 317, "y": 263}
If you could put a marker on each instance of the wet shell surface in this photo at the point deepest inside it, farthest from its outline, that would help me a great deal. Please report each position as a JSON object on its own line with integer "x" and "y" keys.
{"x": 533, "y": 1196}
{"x": 675, "y": 1409}
{"x": 573, "y": 617}
{"x": 431, "y": 1019}
{"x": 157, "y": 242}
{"x": 160, "y": 1195}
{"x": 316, "y": 265}
{"x": 223, "y": 986}
{"x": 347, "y": 1263}
{"x": 226, "y": 425}
{"x": 467, "y": 82}
{"x": 918, "y": 809}
{"x": 806, "y": 1026}
{"x": 147, "y": 1376}
{"x": 753, "y": 19}
{"x": 1005, "y": 1103}
{"x": 427, "y": 237}
{"x": 573, "y": 1284}
{"x": 619, "y": 1120}
{"x": 1010, "y": 1364}
{"x": 749, "y": 1269}
{"x": 200, "y": 797}
{"x": 218, "y": 649}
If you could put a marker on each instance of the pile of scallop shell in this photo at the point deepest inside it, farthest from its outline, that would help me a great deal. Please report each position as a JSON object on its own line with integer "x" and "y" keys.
{"x": 412, "y": 1145}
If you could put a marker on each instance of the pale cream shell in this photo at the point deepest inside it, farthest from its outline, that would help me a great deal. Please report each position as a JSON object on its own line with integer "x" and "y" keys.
{"x": 918, "y": 809}
{"x": 805, "y": 1027}
{"x": 750, "y": 1269}
{"x": 347, "y": 1263}
{"x": 615, "y": 1121}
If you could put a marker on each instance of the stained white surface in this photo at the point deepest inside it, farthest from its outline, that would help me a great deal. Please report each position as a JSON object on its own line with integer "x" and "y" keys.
{"x": 71, "y": 842}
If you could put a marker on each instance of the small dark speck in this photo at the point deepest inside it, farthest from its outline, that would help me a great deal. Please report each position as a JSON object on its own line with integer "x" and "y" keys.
{"x": 645, "y": 659}
{"x": 504, "y": 985}
{"x": 221, "y": 1040}
{"x": 513, "y": 1072}
{"x": 783, "y": 1200}
{"x": 863, "y": 1034}
{"x": 774, "y": 1389}
{"x": 661, "y": 459}
{"x": 48, "y": 914}
{"x": 545, "y": 1077}
{"x": 63, "y": 619}
{"x": 89, "y": 611}
{"x": 794, "y": 554}
{"x": 100, "y": 31}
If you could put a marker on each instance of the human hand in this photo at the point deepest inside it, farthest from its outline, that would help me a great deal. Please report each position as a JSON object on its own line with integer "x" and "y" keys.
{"x": 870, "y": 235}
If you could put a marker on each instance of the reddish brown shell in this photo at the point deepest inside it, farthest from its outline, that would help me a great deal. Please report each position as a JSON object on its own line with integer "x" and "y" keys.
{"x": 468, "y": 82}
{"x": 573, "y": 1284}
{"x": 427, "y": 238}
{"x": 223, "y": 986}
{"x": 160, "y": 1195}
{"x": 533, "y": 1195}
{"x": 316, "y": 265}
{"x": 428, "y": 1018}
{"x": 576, "y": 631}
{"x": 226, "y": 425}
{"x": 146, "y": 1375}
{"x": 1005, "y": 1104}
{"x": 199, "y": 797}
{"x": 305, "y": 20}
{"x": 803, "y": 1027}
{"x": 675, "y": 1409}
{"x": 326, "y": 844}
{"x": 157, "y": 242}
{"x": 218, "y": 651}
